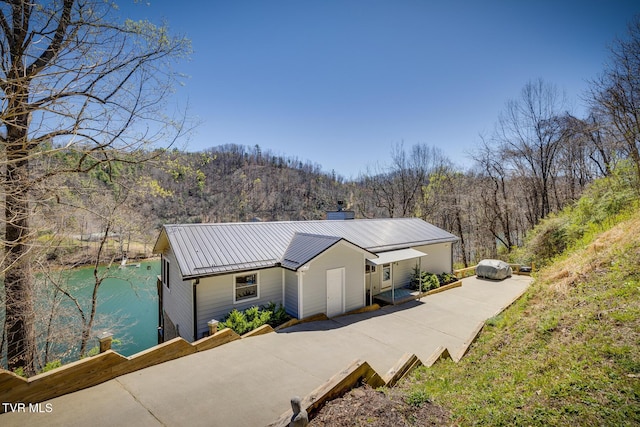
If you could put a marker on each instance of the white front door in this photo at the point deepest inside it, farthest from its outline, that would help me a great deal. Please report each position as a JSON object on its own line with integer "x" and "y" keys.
{"x": 387, "y": 277}
{"x": 335, "y": 291}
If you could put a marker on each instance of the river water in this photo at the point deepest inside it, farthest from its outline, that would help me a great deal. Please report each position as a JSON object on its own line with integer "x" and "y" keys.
{"x": 130, "y": 298}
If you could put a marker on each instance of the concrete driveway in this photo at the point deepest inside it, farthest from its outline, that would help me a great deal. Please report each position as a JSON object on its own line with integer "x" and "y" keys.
{"x": 249, "y": 382}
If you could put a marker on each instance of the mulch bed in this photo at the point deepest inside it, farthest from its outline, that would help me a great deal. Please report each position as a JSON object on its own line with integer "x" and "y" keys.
{"x": 365, "y": 406}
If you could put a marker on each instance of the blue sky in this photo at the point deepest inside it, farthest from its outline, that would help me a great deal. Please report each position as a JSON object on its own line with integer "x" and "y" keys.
{"x": 338, "y": 82}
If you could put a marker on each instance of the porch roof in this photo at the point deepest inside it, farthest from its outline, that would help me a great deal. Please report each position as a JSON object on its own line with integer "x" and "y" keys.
{"x": 395, "y": 256}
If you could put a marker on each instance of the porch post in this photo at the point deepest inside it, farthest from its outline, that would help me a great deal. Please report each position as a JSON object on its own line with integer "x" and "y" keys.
{"x": 420, "y": 277}
{"x": 393, "y": 287}
{"x": 370, "y": 288}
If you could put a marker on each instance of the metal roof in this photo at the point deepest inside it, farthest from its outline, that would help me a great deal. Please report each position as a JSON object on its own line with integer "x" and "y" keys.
{"x": 304, "y": 247}
{"x": 397, "y": 255}
{"x": 209, "y": 249}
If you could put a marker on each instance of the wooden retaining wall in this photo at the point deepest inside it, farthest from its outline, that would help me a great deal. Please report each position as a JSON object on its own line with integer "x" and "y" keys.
{"x": 357, "y": 373}
{"x": 360, "y": 372}
{"x": 100, "y": 368}
{"x": 471, "y": 271}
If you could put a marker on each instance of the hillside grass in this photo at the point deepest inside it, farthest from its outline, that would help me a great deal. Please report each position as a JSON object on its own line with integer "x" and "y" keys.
{"x": 568, "y": 352}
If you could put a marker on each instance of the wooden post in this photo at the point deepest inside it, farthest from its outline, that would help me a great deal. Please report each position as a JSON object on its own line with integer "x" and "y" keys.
{"x": 213, "y": 326}
{"x": 105, "y": 339}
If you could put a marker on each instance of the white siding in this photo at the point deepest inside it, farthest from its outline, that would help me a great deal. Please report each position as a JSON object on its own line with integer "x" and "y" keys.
{"x": 291, "y": 292}
{"x": 375, "y": 280}
{"x": 314, "y": 285}
{"x": 177, "y": 300}
{"x": 402, "y": 271}
{"x": 438, "y": 259}
{"x": 215, "y": 295}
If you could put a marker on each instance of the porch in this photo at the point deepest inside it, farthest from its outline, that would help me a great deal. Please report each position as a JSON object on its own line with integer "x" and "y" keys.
{"x": 396, "y": 296}
{"x": 385, "y": 277}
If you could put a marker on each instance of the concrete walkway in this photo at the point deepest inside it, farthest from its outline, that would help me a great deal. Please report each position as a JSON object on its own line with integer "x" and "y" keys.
{"x": 249, "y": 382}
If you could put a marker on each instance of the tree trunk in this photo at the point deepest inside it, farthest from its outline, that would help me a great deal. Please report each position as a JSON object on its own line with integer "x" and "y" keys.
{"x": 18, "y": 280}
{"x": 461, "y": 234}
{"x": 88, "y": 323}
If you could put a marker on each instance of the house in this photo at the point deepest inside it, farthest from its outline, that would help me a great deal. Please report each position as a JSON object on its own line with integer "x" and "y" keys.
{"x": 310, "y": 267}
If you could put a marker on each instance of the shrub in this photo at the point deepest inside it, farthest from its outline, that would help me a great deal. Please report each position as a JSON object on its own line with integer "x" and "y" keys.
{"x": 550, "y": 239}
{"x": 446, "y": 278}
{"x": 431, "y": 281}
{"x": 423, "y": 281}
{"x": 279, "y": 314}
{"x": 252, "y": 318}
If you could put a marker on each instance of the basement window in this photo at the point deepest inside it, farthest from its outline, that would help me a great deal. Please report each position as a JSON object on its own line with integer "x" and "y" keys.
{"x": 245, "y": 287}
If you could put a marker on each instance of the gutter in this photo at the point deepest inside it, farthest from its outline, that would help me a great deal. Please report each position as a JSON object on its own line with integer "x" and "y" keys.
{"x": 406, "y": 245}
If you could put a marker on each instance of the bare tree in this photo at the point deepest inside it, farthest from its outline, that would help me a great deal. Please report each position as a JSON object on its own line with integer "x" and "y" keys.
{"x": 397, "y": 188}
{"x": 585, "y": 154}
{"x": 530, "y": 137}
{"x": 616, "y": 94}
{"x": 106, "y": 207}
{"x": 77, "y": 81}
{"x": 496, "y": 195}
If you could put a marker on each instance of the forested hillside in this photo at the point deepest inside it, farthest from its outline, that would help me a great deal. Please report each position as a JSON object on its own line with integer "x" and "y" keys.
{"x": 538, "y": 159}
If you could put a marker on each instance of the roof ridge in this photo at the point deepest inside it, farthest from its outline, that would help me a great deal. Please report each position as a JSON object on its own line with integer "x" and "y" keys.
{"x": 299, "y": 233}
{"x": 200, "y": 224}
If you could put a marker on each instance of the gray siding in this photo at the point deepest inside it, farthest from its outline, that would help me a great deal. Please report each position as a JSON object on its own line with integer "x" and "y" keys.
{"x": 291, "y": 292}
{"x": 177, "y": 300}
{"x": 215, "y": 295}
{"x": 314, "y": 285}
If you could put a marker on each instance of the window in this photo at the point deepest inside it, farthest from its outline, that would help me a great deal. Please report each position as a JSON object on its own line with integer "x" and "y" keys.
{"x": 386, "y": 272}
{"x": 370, "y": 268}
{"x": 245, "y": 287}
{"x": 165, "y": 272}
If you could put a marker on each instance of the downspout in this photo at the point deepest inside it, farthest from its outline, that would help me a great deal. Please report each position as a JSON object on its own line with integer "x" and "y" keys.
{"x": 451, "y": 259}
{"x": 195, "y": 311}
{"x": 300, "y": 302}
{"x": 160, "y": 310}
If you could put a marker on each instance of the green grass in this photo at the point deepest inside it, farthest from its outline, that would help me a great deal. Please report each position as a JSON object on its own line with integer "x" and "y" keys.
{"x": 567, "y": 353}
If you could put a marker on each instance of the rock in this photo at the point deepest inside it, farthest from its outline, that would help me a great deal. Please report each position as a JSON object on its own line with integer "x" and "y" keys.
{"x": 300, "y": 418}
